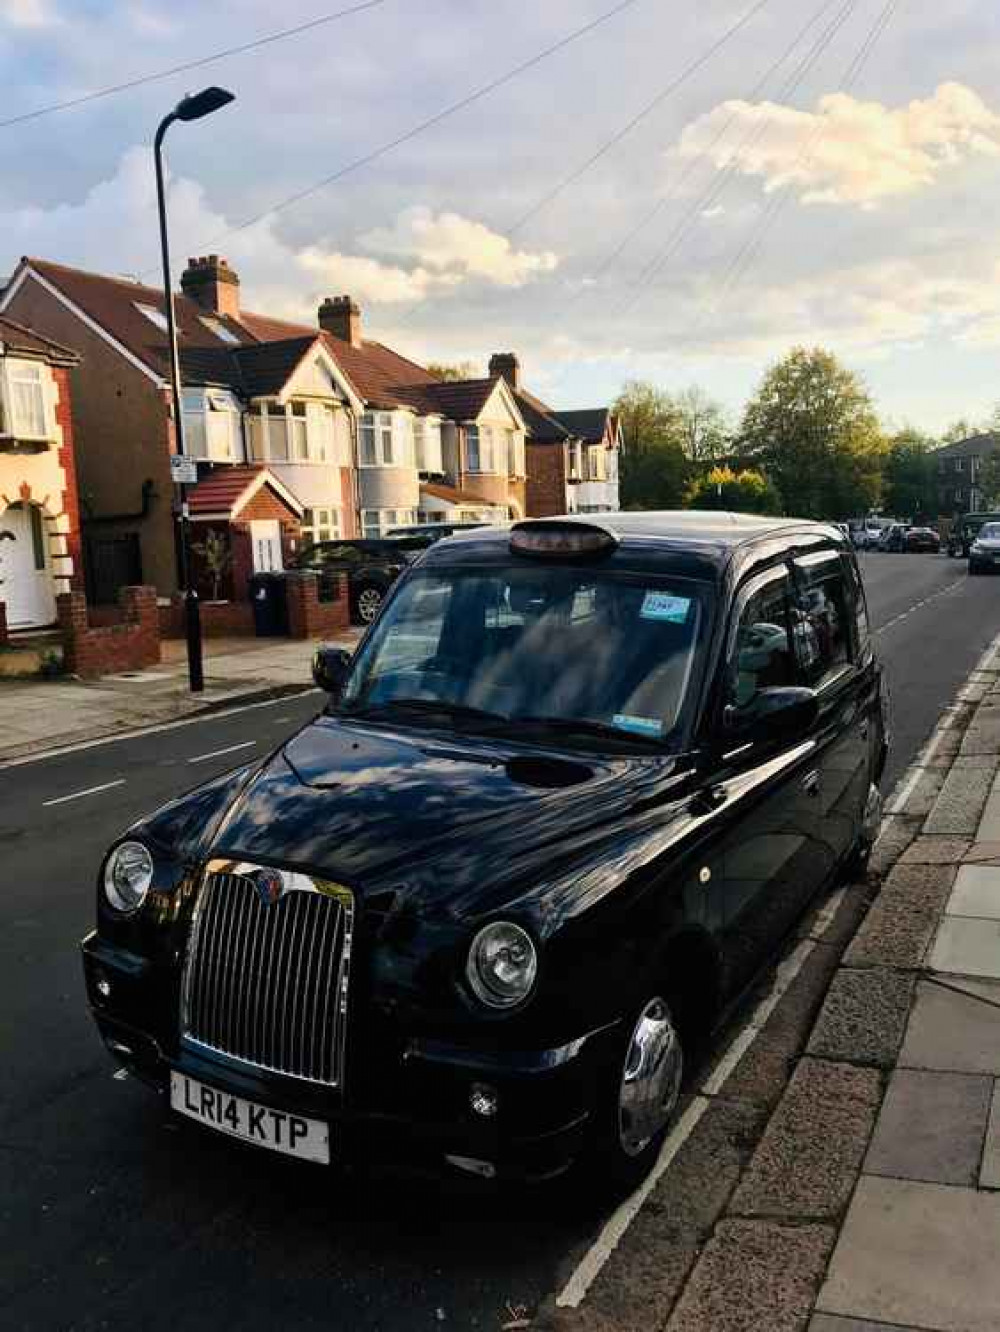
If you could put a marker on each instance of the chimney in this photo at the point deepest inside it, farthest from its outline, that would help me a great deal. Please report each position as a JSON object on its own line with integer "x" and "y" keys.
{"x": 341, "y": 317}
{"x": 507, "y": 366}
{"x": 213, "y": 284}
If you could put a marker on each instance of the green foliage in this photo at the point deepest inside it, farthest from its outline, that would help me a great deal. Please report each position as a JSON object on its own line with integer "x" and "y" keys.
{"x": 449, "y": 373}
{"x": 812, "y": 428}
{"x": 909, "y": 482}
{"x": 740, "y": 492}
{"x": 961, "y": 429}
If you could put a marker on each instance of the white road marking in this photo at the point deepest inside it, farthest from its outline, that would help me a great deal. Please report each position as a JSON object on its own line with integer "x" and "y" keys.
{"x": 918, "y": 605}
{"x": 142, "y": 731}
{"x": 90, "y": 790}
{"x": 217, "y": 753}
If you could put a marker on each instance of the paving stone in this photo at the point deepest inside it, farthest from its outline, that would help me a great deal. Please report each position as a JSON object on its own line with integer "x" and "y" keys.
{"x": 935, "y": 851}
{"x": 644, "y": 1276}
{"x": 891, "y": 937}
{"x": 864, "y": 1017}
{"x": 989, "y": 826}
{"x": 754, "y": 1276}
{"x": 918, "y": 887}
{"x": 917, "y": 1255}
{"x": 983, "y": 733}
{"x": 967, "y": 947}
{"x": 982, "y": 853}
{"x": 898, "y": 831}
{"x": 931, "y": 1127}
{"x": 808, "y": 1159}
{"x": 989, "y": 1174}
{"x": 833, "y": 1323}
{"x": 976, "y": 892}
{"x": 957, "y": 810}
{"x": 921, "y": 797}
{"x": 952, "y": 1031}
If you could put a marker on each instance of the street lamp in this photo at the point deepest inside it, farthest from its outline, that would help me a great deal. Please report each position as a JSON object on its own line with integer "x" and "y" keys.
{"x": 192, "y": 107}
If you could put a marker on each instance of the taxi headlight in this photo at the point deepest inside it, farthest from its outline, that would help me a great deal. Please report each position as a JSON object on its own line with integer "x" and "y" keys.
{"x": 503, "y": 964}
{"x": 128, "y": 873}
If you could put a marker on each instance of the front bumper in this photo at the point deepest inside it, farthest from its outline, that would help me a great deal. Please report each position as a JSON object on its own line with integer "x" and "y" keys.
{"x": 407, "y": 1103}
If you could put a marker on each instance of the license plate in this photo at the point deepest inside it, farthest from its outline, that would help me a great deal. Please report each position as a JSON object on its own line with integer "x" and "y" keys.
{"x": 295, "y": 1135}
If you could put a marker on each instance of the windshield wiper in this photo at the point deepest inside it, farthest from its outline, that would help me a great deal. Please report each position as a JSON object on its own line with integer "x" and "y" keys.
{"x": 422, "y": 707}
{"x": 582, "y": 726}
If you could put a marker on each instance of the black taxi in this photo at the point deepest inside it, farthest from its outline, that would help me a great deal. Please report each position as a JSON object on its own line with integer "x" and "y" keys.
{"x": 577, "y": 783}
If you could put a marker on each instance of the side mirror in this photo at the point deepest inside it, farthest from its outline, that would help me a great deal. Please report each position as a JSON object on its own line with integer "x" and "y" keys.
{"x": 785, "y": 713}
{"x": 329, "y": 668}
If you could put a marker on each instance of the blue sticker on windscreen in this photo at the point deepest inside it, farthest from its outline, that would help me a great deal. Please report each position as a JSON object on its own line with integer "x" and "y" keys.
{"x": 665, "y": 606}
{"x": 640, "y": 725}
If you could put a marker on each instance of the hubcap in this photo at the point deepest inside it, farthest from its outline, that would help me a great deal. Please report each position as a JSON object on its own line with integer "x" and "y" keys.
{"x": 368, "y": 604}
{"x": 873, "y": 815}
{"x": 651, "y": 1078}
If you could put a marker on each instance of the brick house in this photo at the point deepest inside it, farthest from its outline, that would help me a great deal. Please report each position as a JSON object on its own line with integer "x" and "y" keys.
{"x": 39, "y": 512}
{"x": 958, "y": 468}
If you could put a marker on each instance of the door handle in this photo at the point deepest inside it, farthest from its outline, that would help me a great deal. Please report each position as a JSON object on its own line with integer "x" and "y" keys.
{"x": 810, "y": 784}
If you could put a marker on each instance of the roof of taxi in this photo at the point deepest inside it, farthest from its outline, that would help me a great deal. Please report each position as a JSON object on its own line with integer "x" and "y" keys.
{"x": 708, "y": 538}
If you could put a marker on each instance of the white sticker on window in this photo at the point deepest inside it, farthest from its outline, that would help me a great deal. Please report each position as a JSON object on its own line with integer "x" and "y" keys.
{"x": 641, "y": 725}
{"x": 664, "y": 606}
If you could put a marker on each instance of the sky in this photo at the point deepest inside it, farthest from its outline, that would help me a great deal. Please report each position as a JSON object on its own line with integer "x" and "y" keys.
{"x": 605, "y": 214}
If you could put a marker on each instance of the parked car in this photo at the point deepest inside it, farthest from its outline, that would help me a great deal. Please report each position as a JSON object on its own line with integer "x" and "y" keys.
{"x": 965, "y": 531}
{"x": 564, "y": 803}
{"x": 984, "y": 553}
{"x": 372, "y": 566}
{"x": 893, "y": 538}
{"x": 425, "y": 534}
{"x": 921, "y": 539}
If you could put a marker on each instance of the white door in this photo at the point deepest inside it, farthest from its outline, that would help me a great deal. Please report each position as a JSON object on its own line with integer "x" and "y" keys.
{"x": 265, "y": 536}
{"x": 25, "y": 579}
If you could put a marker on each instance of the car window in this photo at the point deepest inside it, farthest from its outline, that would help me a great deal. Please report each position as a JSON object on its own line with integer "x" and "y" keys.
{"x": 857, "y": 605}
{"x": 822, "y": 618}
{"x": 990, "y": 532}
{"x": 760, "y": 657}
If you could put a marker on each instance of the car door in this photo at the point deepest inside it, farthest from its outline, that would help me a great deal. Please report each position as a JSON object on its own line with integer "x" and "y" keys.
{"x": 771, "y": 859}
{"x": 826, "y": 613}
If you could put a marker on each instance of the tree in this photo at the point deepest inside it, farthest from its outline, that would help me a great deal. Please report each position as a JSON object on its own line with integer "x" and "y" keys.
{"x": 813, "y": 429}
{"x": 705, "y": 434}
{"x": 909, "y": 482}
{"x": 648, "y": 417}
{"x": 654, "y": 467}
{"x": 961, "y": 429}
{"x": 216, "y": 556}
{"x": 459, "y": 370}
{"x": 741, "y": 492}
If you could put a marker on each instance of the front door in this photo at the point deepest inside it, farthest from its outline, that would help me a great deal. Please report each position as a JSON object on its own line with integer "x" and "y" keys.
{"x": 25, "y": 577}
{"x": 265, "y": 537}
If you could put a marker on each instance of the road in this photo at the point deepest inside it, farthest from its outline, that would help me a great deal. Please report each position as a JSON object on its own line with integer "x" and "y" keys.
{"x": 113, "y": 1214}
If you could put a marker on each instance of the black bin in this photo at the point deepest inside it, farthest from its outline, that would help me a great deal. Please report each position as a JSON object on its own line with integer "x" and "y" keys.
{"x": 269, "y": 598}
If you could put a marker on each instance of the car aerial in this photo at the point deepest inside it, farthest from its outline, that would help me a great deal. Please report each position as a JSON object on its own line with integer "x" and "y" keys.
{"x": 372, "y": 565}
{"x": 578, "y": 783}
{"x": 919, "y": 539}
{"x": 965, "y": 531}
{"x": 984, "y": 553}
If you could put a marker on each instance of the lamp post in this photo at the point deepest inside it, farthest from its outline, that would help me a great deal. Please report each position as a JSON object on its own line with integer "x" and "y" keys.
{"x": 192, "y": 107}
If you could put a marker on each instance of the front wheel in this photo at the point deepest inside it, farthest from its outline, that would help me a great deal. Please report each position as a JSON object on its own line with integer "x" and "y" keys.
{"x": 640, "y": 1095}
{"x": 368, "y": 602}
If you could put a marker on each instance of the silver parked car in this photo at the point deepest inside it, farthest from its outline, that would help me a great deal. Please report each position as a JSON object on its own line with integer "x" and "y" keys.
{"x": 984, "y": 553}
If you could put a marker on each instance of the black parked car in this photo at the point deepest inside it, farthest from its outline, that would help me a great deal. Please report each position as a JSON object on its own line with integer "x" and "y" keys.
{"x": 372, "y": 566}
{"x": 425, "y": 534}
{"x": 574, "y": 789}
{"x": 919, "y": 540}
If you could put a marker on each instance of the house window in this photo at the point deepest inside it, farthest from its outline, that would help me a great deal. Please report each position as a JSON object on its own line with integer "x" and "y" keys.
{"x": 376, "y": 522}
{"x": 321, "y": 432}
{"x": 575, "y": 462}
{"x": 595, "y": 463}
{"x": 155, "y": 316}
{"x": 215, "y": 326}
{"x": 515, "y": 452}
{"x": 320, "y": 525}
{"x": 28, "y": 418}
{"x": 275, "y": 433}
{"x": 472, "y": 448}
{"x": 376, "y": 440}
{"x": 959, "y": 464}
{"x": 298, "y": 432}
{"x": 482, "y": 445}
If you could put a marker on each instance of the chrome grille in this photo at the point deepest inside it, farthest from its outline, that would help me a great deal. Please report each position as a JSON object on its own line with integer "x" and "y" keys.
{"x": 266, "y": 981}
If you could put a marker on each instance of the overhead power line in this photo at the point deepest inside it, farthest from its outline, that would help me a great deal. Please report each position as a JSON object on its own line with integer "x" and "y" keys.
{"x": 156, "y": 75}
{"x": 422, "y": 126}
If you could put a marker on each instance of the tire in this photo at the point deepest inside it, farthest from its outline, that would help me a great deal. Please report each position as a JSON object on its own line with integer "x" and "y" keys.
{"x": 368, "y": 602}
{"x": 974, "y": 569}
{"x": 638, "y": 1099}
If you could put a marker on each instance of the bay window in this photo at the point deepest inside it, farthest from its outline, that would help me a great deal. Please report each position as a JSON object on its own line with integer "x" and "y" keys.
{"x": 377, "y": 522}
{"x": 320, "y": 525}
{"x": 485, "y": 447}
{"x": 472, "y": 449}
{"x": 515, "y": 452}
{"x": 427, "y": 445}
{"x": 377, "y": 446}
{"x": 298, "y": 443}
{"x": 26, "y": 413}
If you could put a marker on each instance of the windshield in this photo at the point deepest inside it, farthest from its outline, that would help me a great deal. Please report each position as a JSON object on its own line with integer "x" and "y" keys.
{"x": 990, "y": 532}
{"x": 610, "y": 654}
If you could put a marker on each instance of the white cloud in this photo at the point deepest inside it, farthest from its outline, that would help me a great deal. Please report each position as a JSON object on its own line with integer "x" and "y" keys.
{"x": 450, "y": 243}
{"x": 848, "y": 151}
{"x": 446, "y": 251}
{"x": 27, "y": 13}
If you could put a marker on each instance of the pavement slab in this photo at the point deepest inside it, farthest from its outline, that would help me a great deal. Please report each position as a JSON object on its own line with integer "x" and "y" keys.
{"x": 864, "y": 1017}
{"x": 891, "y": 937}
{"x": 976, "y": 892}
{"x": 958, "y": 807}
{"x": 833, "y": 1323}
{"x": 808, "y": 1159}
{"x": 755, "y": 1276}
{"x": 953, "y": 1031}
{"x": 917, "y": 1255}
{"x": 983, "y": 733}
{"x": 931, "y": 1127}
{"x": 898, "y": 831}
{"x": 989, "y": 1173}
{"x": 967, "y": 947}
{"x": 935, "y": 851}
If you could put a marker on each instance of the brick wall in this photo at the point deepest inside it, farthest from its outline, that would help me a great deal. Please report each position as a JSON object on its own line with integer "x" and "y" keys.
{"x": 91, "y": 650}
{"x": 219, "y": 619}
{"x": 67, "y": 461}
{"x": 264, "y": 505}
{"x": 308, "y": 617}
{"x": 546, "y": 486}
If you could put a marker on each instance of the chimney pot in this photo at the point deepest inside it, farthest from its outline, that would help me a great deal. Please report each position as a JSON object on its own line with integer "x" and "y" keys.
{"x": 505, "y": 365}
{"x": 341, "y": 317}
{"x": 209, "y": 281}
